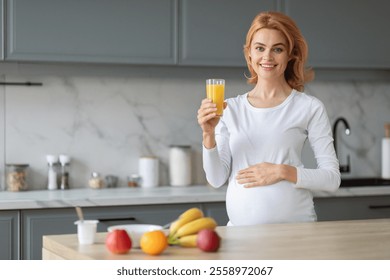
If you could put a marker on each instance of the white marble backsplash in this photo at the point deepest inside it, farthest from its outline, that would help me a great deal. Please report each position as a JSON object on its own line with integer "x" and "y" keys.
{"x": 105, "y": 123}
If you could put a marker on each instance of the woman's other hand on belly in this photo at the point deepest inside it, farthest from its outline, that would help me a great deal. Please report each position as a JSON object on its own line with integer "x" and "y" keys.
{"x": 265, "y": 173}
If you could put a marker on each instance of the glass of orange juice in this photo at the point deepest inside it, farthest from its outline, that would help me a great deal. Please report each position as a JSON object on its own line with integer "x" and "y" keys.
{"x": 215, "y": 89}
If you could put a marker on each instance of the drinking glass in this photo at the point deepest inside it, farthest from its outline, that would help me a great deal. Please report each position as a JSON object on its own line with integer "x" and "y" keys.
{"x": 215, "y": 89}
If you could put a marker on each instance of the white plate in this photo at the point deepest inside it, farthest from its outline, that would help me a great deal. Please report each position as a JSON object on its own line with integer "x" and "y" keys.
{"x": 135, "y": 231}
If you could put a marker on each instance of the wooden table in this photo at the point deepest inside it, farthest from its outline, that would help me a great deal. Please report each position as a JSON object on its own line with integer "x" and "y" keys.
{"x": 336, "y": 240}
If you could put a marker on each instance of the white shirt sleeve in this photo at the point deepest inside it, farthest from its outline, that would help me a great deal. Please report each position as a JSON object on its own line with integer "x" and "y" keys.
{"x": 326, "y": 177}
{"x": 216, "y": 161}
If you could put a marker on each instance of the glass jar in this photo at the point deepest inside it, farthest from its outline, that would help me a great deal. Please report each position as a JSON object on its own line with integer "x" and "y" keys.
{"x": 16, "y": 177}
{"x": 96, "y": 181}
{"x": 133, "y": 180}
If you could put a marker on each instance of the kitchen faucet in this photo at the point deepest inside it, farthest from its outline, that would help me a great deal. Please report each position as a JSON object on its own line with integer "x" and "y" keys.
{"x": 343, "y": 168}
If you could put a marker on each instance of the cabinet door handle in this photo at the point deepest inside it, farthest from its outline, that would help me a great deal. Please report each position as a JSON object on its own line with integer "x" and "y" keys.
{"x": 117, "y": 219}
{"x": 378, "y": 206}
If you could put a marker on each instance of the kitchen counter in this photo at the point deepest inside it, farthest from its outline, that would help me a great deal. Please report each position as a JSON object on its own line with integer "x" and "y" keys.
{"x": 109, "y": 197}
{"x": 139, "y": 196}
{"x": 336, "y": 240}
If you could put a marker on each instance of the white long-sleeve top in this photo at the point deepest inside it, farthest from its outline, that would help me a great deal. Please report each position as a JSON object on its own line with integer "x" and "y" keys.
{"x": 247, "y": 135}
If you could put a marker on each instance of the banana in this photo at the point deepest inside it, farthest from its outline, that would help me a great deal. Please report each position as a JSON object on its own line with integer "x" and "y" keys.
{"x": 186, "y": 217}
{"x": 191, "y": 212}
{"x": 188, "y": 240}
{"x": 194, "y": 227}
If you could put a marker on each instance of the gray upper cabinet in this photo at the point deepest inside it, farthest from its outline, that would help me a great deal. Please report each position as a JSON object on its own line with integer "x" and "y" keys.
{"x": 340, "y": 33}
{"x": 114, "y": 31}
{"x": 344, "y": 33}
{"x": 212, "y": 33}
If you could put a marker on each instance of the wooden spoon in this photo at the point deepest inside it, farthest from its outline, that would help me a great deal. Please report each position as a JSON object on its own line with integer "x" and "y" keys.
{"x": 80, "y": 213}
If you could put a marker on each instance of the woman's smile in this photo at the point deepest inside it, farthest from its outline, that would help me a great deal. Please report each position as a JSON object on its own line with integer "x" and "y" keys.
{"x": 268, "y": 66}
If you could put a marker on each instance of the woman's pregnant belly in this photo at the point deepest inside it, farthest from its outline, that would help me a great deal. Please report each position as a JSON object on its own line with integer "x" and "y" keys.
{"x": 278, "y": 203}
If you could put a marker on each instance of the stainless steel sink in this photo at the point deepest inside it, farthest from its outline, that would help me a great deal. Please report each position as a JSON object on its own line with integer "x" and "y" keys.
{"x": 364, "y": 182}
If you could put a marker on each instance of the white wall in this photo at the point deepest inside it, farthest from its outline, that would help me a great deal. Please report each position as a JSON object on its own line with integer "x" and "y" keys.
{"x": 105, "y": 117}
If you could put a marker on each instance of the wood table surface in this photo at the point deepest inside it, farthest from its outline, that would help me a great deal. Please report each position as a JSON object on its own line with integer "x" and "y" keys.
{"x": 334, "y": 240}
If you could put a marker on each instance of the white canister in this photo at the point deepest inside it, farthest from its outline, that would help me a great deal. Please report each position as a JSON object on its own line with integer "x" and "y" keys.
{"x": 148, "y": 170}
{"x": 386, "y": 158}
{"x": 386, "y": 153}
{"x": 180, "y": 165}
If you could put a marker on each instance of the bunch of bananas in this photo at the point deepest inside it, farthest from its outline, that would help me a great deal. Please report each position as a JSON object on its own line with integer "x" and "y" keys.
{"x": 184, "y": 230}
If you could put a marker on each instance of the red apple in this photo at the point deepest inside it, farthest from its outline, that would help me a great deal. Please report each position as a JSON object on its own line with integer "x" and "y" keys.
{"x": 118, "y": 241}
{"x": 208, "y": 240}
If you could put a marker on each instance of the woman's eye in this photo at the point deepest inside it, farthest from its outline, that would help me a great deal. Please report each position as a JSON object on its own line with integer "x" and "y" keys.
{"x": 261, "y": 49}
{"x": 278, "y": 50}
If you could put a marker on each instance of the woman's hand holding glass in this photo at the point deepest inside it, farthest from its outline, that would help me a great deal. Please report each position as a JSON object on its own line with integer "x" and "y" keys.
{"x": 208, "y": 120}
{"x": 207, "y": 116}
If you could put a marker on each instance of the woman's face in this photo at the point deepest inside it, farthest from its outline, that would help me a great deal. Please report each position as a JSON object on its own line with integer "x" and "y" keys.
{"x": 269, "y": 54}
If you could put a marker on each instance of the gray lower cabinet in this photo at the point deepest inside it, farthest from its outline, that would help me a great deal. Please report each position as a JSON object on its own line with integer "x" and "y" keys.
{"x": 216, "y": 210}
{"x": 341, "y": 32}
{"x": 352, "y": 208}
{"x": 113, "y": 31}
{"x": 36, "y": 223}
{"x": 10, "y": 235}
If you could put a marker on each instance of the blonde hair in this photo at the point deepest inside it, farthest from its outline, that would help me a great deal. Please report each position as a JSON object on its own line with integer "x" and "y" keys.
{"x": 296, "y": 74}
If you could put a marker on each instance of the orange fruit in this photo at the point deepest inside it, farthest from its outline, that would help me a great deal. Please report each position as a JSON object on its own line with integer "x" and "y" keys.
{"x": 153, "y": 242}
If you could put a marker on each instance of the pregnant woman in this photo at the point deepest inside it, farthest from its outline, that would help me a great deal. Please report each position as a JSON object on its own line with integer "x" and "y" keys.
{"x": 257, "y": 144}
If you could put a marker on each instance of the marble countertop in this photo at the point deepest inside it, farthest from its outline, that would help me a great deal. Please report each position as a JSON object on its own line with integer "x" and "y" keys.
{"x": 86, "y": 197}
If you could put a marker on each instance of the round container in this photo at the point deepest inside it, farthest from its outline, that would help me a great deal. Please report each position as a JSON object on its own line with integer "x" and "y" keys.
{"x": 111, "y": 181}
{"x": 86, "y": 231}
{"x": 96, "y": 181}
{"x": 133, "y": 180}
{"x": 16, "y": 177}
{"x": 180, "y": 166}
{"x": 135, "y": 231}
{"x": 148, "y": 170}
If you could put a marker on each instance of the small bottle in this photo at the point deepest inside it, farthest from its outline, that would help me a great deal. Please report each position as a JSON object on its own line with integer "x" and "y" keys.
{"x": 65, "y": 162}
{"x": 96, "y": 181}
{"x": 386, "y": 153}
{"x": 52, "y": 162}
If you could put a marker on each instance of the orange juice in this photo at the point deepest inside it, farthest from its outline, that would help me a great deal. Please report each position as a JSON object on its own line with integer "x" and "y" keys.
{"x": 215, "y": 89}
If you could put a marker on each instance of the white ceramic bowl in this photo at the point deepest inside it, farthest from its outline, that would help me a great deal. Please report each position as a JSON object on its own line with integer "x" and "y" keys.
{"x": 135, "y": 231}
